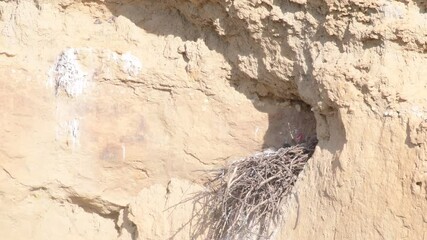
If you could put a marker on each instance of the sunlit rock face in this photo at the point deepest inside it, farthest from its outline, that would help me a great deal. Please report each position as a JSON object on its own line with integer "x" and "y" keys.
{"x": 111, "y": 110}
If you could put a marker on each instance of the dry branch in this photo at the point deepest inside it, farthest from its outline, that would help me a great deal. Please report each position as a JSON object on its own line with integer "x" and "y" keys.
{"x": 243, "y": 200}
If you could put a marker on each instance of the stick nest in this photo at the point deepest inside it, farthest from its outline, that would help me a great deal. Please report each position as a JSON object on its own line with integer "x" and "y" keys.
{"x": 243, "y": 200}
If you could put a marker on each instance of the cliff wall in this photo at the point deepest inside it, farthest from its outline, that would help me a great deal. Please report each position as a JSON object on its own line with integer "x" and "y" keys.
{"x": 111, "y": 109}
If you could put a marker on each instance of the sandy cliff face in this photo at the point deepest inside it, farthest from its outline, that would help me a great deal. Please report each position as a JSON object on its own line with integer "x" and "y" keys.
{"x": 110, "y": 108}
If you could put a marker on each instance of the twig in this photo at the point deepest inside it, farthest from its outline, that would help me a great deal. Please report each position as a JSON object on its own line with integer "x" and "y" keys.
{"x": 243, "y": 199}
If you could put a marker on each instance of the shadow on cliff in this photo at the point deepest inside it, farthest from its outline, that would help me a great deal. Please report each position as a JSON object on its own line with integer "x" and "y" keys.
{"x": 284, "y": 123}
{"x": 160, "y": 19}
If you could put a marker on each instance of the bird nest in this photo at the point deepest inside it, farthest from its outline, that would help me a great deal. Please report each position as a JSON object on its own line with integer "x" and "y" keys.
{"x": 243, "y": 200}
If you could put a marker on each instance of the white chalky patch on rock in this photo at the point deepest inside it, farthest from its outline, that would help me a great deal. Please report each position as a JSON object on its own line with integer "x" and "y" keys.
{"x": 393, "y": 10}
{"x": 69, "y": 131}
{"x": 74, "y": 128}
{"x": 130, "y": 64}
{"x": 67, "y": 74}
